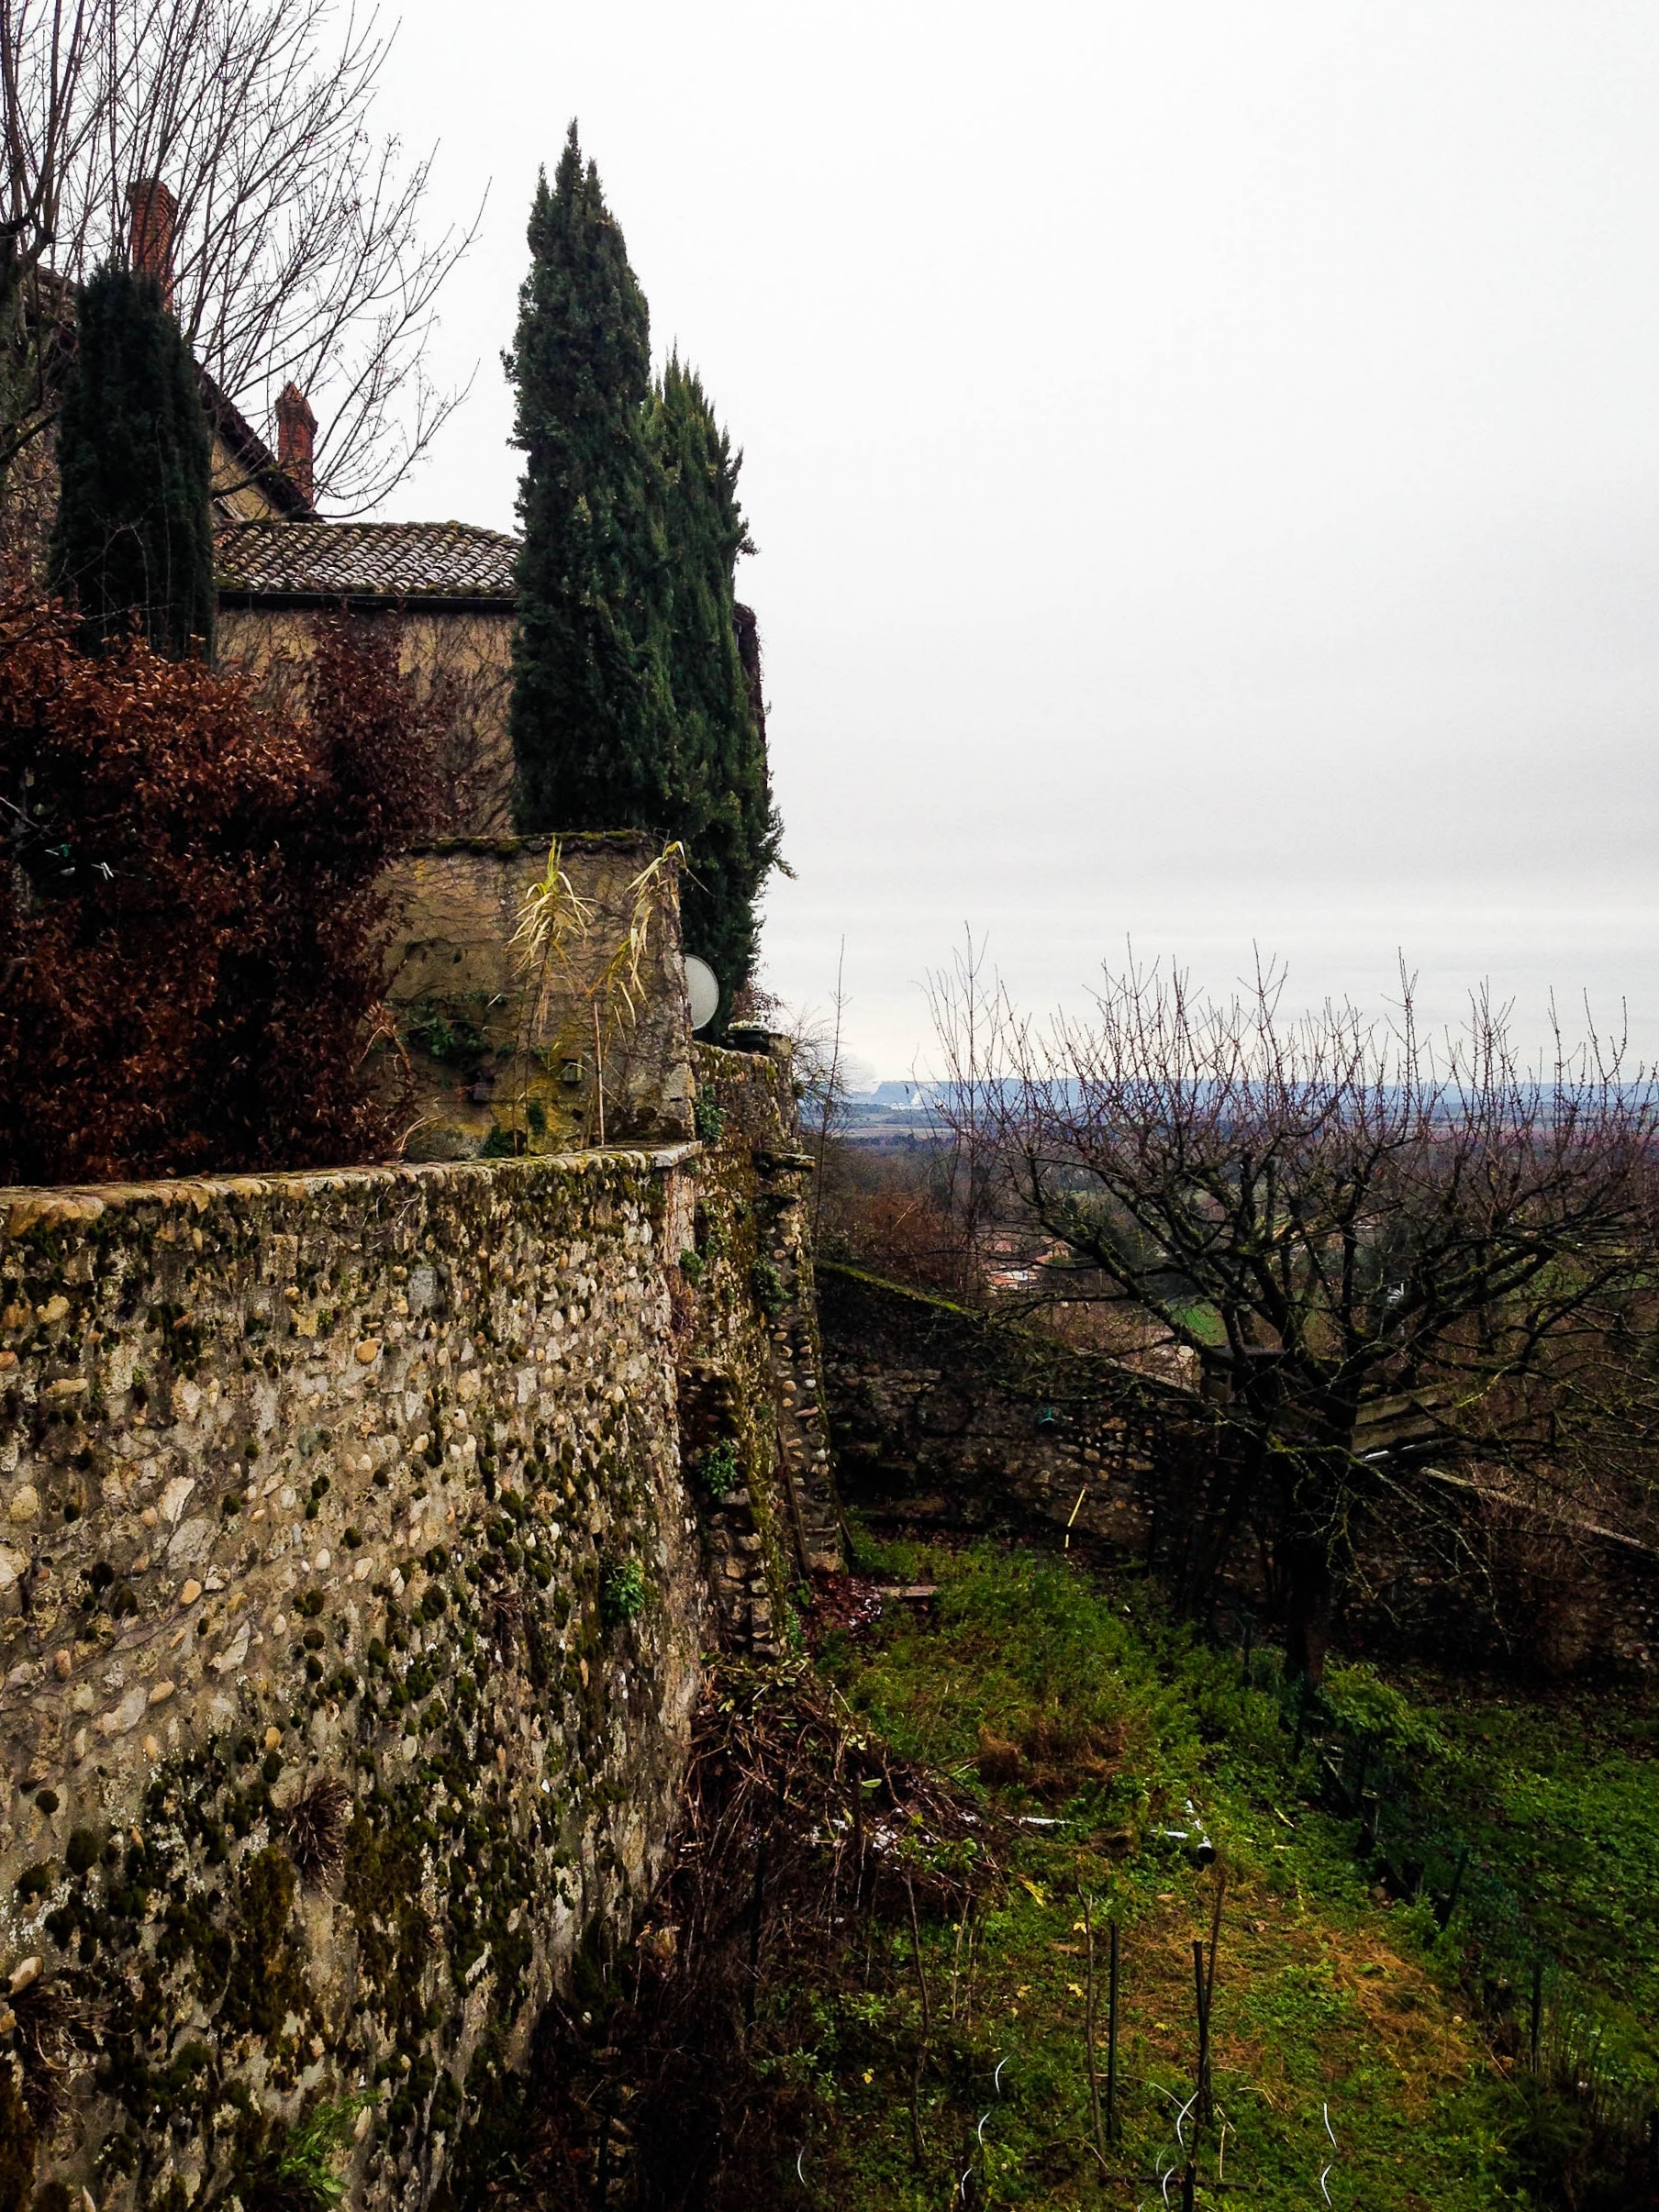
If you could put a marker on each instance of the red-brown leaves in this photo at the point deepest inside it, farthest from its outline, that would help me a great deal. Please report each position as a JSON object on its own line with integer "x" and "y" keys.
{"x": 189, "y": 947}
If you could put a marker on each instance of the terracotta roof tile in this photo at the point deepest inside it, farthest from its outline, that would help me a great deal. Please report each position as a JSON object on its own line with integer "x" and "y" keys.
{"x": 365, "y": 560}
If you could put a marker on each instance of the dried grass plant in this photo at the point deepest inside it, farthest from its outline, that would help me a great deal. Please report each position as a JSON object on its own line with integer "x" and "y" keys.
{"x": 314, "y": 1828}
{"x": 554, "y": 921}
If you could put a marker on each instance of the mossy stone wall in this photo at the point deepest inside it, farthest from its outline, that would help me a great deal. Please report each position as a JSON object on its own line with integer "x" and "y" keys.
{"x": 756, "y": 1437}
{"x": 350, "y": 1619}
{"x": 944, "y": 1414}
{"x": 542, "y": 1059}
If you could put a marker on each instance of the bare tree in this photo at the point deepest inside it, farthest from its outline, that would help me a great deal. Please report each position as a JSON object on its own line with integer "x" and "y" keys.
{"x": 966, "y": 1023}
{"x": 295, "y": 232}
{"x": 1369, "y": 1246}
{"x": 818, "y": 1062}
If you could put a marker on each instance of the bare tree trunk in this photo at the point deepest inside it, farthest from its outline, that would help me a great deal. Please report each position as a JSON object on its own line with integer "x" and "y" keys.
{"x": 830, "y": 1105}
{"x": 1214, "y": 1536}
{"x": 1310, "y": 1601}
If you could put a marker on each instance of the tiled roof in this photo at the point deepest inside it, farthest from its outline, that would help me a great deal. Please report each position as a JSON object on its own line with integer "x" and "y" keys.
{"x": 365, "y": 560}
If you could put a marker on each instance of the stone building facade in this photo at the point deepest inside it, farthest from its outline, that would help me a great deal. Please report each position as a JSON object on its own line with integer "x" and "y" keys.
{"x": 587, "y": 1042}
{"x": 447, "y": 587}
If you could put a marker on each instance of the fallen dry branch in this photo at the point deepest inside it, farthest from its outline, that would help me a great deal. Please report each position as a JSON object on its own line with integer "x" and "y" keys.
{"x": 666, "y": 2079}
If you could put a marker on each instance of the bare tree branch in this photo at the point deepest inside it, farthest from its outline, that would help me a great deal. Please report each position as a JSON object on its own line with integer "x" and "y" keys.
{"x": 298, "y": 247}
{"x": 1331, "y": 1216}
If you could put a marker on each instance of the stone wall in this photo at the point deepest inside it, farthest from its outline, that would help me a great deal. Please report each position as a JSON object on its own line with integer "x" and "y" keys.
{"x": 941, "y": 1414}
{"x": 1455, "y": 1570}
{"x": 945, "y": 1416}
{"x": 756, "y": 1438}
{"x": 591, "y": 1045}
{"x": 350, "y": 1615}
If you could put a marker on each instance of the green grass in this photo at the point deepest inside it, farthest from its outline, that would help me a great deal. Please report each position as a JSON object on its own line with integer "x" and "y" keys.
{"x": 1332, "y": 2003}
{"x": 1559, "y": 1801}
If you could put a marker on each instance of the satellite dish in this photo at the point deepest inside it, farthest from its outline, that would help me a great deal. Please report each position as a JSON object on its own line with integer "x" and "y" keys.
{"x": 703, "y": 987}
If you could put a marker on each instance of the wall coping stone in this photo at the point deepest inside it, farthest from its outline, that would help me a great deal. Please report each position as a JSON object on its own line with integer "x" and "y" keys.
{"x": 509, "y": 844}
{"x": 27, "y": 1207}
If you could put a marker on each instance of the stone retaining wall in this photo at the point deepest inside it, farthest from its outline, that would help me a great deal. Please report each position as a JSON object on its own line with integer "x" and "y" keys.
{"x": 757, "y": 1440}
{"x": 943, "y": 1416}
{"x": 350, "y": 1615}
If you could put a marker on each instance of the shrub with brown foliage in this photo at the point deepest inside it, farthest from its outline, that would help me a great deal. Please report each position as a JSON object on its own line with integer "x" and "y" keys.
{"x": 189, "y": 945}
{"x": 895, "y": 1212}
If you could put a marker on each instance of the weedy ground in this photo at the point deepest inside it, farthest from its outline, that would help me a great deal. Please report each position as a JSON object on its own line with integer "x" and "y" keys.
{"x": 1343, "y": 2065}
{"x": 892, "y": 2011}
{"x": 1558, "y": 1801}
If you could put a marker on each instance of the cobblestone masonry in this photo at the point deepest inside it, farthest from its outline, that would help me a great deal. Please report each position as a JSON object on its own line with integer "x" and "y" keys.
{"x": 757, "y": 1439}
{"x": 350, "y": 1615}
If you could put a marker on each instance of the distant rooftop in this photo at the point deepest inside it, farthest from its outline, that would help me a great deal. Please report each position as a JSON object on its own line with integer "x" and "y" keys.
{"x": 382, "y": 560}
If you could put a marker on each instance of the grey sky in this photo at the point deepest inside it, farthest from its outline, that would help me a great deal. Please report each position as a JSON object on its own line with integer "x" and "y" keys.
{"x": 1205, "y": 460}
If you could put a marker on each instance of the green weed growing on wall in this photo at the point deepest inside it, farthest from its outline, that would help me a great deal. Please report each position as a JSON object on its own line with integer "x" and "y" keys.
{"x": 622, "y": 1593}
{"x": 719, "y": 1471}
{"x": 299, "y": 2175}
{"x": 443, "y": 1038}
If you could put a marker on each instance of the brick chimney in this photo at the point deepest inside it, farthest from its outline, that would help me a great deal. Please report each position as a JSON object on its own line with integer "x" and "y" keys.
{"x": 296, "y": 436}
{"x": 154, "y": 211}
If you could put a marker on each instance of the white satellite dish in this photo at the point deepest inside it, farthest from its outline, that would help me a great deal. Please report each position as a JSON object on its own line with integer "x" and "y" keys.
{"x": 703, "y": 988}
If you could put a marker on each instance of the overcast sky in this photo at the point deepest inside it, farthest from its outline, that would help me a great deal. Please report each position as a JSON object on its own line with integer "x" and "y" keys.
{"x": 1204, "y": 462}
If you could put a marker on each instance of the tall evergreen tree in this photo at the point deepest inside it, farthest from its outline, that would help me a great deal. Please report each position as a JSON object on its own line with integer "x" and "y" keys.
{"x": 631, "y": 705}
{"x": 591, "y": 718}
{"x": 734, "y": 843}
{"x": 135, "y": 456}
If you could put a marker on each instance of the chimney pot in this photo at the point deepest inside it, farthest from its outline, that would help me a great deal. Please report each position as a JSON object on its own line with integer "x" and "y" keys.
{"x": 153, "y": 212}
{"x": 295, "y": 438}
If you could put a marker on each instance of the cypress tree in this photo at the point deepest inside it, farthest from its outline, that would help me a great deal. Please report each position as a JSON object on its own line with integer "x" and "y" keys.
{"x": 732, "y": 843}
{"x": 594, "y": 740}
{"x": 135, "y": 455}
{"x": 632, "y": 707}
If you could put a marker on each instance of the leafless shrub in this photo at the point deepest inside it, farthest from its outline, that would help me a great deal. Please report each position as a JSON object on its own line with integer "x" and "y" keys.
{"x": 968, "y": 1019}
{"x": 890, "y": 1211}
